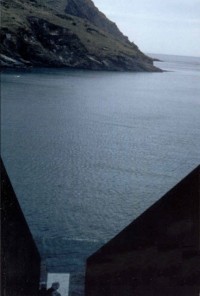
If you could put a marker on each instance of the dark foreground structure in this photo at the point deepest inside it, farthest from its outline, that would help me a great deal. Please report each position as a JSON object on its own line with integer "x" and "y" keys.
{"x": 20, "y": 272}
{"x": 158, "y": 254}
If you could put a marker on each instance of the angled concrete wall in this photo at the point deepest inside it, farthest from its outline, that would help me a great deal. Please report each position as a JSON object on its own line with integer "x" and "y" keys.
{"x": 20, "y": 271}
{"x": 158, "y": 254}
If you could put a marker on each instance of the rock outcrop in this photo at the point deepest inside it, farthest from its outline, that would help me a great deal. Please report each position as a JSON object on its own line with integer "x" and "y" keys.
{"x": 39, "y": 33}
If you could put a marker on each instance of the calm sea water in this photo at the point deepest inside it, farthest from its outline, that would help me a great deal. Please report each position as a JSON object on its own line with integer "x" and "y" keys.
{"x": 87, "y": 152}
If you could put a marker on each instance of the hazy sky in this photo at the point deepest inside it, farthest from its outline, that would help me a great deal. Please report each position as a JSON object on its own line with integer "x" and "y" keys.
{"x": 157, "y": 26}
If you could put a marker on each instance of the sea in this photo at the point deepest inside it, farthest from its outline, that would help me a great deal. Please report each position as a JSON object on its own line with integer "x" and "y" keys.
{"x": 88, "y": 151}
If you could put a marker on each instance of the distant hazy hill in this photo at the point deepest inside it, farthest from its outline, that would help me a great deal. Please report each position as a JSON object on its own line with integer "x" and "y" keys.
{"x": 65, "y": 33}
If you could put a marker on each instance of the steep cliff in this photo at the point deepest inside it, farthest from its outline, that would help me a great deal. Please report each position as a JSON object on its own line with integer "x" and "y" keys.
{"x": 87, "y": 10}
{"x": 65, "y": 33}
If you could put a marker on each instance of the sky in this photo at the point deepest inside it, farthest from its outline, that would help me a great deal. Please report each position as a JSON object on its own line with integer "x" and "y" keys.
{"x": 157, "y": 26}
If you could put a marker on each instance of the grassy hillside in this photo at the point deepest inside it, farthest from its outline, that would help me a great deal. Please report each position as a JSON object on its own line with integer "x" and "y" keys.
{"x": 35, "y": 34}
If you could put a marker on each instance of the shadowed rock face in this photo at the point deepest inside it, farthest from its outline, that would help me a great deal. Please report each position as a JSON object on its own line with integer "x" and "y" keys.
{"x": 158, "y": 253}
{"x": 35, "y": 33}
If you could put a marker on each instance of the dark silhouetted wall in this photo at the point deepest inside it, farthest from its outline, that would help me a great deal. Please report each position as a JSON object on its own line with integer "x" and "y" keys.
{"x": 157, "y": 254}
{"x": 20, "y": 258}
